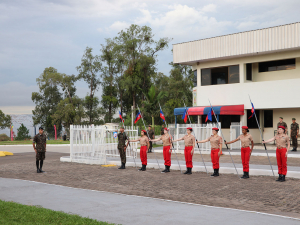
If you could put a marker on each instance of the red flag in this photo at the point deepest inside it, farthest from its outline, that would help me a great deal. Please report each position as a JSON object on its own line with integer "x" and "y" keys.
{"x": 162, "y": 115}
{"x": 121, "y": 118}
{"x": 138, "y": 116}
{"x": 185, "y": 116}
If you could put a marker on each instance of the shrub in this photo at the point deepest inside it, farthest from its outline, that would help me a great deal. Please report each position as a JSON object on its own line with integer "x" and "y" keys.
{"x": 23, "y": 133}
{"x": 4, "y": 137}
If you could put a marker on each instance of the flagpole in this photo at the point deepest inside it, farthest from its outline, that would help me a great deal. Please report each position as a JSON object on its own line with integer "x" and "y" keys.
{"x": 262, "y": 136}
{"x": 148, "y": 134}
{"x": 224, "y": 140}
{"x": 196, "y": 139}
{"x": 128, "y": 142}
{"x": 171, "y": 141}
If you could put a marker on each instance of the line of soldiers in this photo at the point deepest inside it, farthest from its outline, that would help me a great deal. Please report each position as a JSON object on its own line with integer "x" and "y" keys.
{"x": 294, "y": 131}
{"x": 282, "y": 143}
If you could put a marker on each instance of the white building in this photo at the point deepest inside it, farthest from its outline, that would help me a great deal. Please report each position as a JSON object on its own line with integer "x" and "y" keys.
{"x": 263, "y": 63}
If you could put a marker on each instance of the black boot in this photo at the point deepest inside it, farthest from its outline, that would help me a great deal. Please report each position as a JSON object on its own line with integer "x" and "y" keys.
{"x": 293, "y": 150}
{"x": 244, "y": 176}
{"x": 37, "y": 166}
{"x": 168, "y": 168}
{"x": 41, "y": 166}
{"x": 282, "y": 178}
{"x": 247, "y": 174}
{"x": 214, "y": 174}
{"x": 187, "y": 171}
{"x": 279, "y": 177}
{"x": 144, "y": 167}
{"x": 141, "y": 168}
{"x": 190, "y": 171}
{"x": 122, "y": 167}
{"x": 217, "y": 173}
{"x": 165, "y": 170}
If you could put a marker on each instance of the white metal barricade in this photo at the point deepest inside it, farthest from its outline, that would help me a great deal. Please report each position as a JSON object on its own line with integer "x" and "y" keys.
{"x": 91, "y": 144}
{"x": 235, "y": 131}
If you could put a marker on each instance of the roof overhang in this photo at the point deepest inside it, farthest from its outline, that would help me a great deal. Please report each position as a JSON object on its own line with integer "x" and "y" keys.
{"x": 219, "y": 110}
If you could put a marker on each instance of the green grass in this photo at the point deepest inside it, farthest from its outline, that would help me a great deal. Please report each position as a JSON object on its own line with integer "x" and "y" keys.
{"x": 13, "y": 213}
{"x": 28, "y": 142}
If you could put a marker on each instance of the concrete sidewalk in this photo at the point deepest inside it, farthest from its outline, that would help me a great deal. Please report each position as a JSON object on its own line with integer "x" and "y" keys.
{"x": 124, "y": 209}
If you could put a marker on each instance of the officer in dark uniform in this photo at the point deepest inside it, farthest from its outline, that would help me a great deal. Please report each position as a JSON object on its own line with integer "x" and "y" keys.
{"x": 122, "y": 137}
{"x": 151, "y": 135}
{"x": 281, "y": 123}
{"x": 294, "y": 134}
{"x": 39, "y": 146}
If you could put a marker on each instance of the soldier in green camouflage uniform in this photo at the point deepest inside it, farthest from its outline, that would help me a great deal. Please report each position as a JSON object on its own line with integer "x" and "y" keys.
{"x": 294, "y": 134}
{"x": 281, "y": 123}
{"x": 122, "y": 137}
{"x": 151, "y": 135}
{"x": 40, "y": 149}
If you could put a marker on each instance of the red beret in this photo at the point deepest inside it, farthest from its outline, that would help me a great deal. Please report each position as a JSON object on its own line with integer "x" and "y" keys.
{"x": 215, "y": 128}
{"x": 145, "y": 132}
{"x": 189, "y": 128}
{"x": 282, "y": 127}
{"x": 245, "y": 127}
{"x": 166, "y": 128}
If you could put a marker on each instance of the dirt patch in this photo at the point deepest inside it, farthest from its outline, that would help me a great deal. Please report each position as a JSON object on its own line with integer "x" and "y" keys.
{"x": 258, "y": 193}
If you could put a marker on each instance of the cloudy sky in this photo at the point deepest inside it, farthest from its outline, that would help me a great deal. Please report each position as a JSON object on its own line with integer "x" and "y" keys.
{"x": 35, "y": 34}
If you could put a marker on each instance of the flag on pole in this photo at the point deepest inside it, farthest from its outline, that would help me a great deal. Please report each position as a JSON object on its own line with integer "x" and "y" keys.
{"x": 138, "y": 116}
{"x": 209, "y": 116}
{"x": 121, "y": 118}
{"x": 11, "y": 133}
{"x": 55, "y": 132}
{"x": 162, "y": 115}
{"x": 252, "y": 111}
{"x": 185, "y": 116}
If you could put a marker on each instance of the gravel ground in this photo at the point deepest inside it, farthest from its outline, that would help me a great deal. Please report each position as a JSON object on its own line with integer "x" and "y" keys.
{"x": 258, "y": 193}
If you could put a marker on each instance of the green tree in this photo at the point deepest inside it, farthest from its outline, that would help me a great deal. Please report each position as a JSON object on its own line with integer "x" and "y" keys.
{"x": 23, "y": 133}
{"x": 151, "y": 105}
{"x": 110, "y": 55}
{"x": 5, "y": 120}
{"x": 89, "y": 71}
{"x": 179, "y": 90}
{"x": 96, "y": 111}
{"x": 139, "y": 50}
{"x": 47, "y": 99}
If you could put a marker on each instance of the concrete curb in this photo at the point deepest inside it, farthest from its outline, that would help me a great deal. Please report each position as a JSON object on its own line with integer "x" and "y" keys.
{"x": 175, "y": 166}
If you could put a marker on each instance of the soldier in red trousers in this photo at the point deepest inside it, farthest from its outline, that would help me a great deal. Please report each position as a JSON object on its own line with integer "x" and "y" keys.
{"x": 245, "y": 139}
{"x": 167, "y": 141}
{"x": 283, "y": 144}
{"x": 189, "y": 142}
{"x": 144, "y": 142}
{"x": 216, "y": 149}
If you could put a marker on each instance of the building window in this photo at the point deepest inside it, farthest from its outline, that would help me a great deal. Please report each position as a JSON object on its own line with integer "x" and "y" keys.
{"x": 249, "y": 71}
{"x": 205, "y": 77}
{"x": 286, "y": 64}
{"x": 251, "y": 123}
{"x": 225, "y": 120}
{"x": 195, "y": 78}
{"x": 268, "y": 118}
{"x": 220, "y": 75}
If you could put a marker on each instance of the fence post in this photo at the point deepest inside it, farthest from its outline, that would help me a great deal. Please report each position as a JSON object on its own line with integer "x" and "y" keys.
{"x": 71, "y": 142}
{"x": 93, "y": 139}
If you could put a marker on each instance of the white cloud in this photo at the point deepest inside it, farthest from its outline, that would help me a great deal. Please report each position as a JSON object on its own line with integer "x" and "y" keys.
{"x": 209, "y": 8}
{"x": 119, "y": 25}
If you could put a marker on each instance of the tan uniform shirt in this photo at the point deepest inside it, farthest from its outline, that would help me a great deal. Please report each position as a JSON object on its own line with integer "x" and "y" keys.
{"x": 282, "y": 140}
{"x": 215, "y": 141}
{"x": 165, "y": 139}
{"x": 189, "y": 140}
{"x": 144, "y": 140}
{"x": 245, "y": 140}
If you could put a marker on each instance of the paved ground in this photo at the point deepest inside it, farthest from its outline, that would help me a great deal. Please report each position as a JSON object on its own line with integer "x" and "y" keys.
{"x": 124, "y": 209}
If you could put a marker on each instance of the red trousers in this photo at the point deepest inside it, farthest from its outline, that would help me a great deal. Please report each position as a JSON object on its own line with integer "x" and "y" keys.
{"x": 188, "y": 156}
{"x": 281, "y": 161}
{"x": 143, "y": 155}
{"x": 167, "y": 155}
{"x": 215, "y": 158}
{"x": 245, "y": 155}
